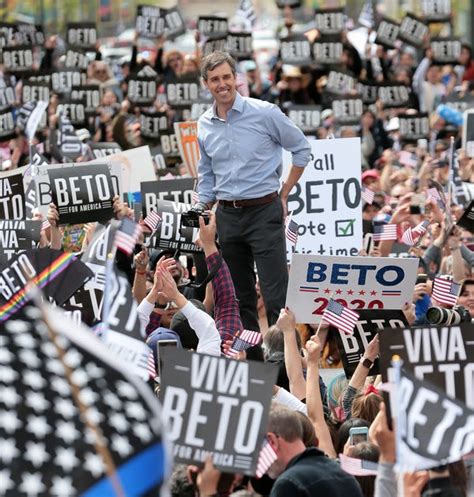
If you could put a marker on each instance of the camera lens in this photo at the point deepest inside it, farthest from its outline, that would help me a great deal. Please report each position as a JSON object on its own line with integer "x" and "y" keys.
{"x": 435, "y": 315}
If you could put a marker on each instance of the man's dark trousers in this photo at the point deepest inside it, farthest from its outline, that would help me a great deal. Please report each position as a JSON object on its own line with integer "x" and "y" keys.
{"x": 249, "y": 235}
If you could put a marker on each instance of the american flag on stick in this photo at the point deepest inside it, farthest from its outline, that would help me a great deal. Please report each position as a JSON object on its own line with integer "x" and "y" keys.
{"x": 127, "y": 235}
{"x": 408, "y": 159}
{"x": 358, "y": 467}
{"x": 367, "y": 195}
{"x": 243, "y": 340}
{"x": 45, "y": 225}
{"x": 152, "y": 220}
{"x": 291, "y": 230}
{"x": 341, "y": 317}
{"x": 266, "y": 458}
{"x": 445, "y": 291}
{"x": 413, "y": 235}
{"x": 385, "y": 232}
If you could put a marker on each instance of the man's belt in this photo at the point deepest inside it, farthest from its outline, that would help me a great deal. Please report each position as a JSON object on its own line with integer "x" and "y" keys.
{"x": 250, "y": 202}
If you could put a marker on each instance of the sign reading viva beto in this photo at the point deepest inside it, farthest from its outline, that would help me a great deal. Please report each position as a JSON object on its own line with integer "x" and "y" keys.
{"x": 355, "y": 282}
{"x": 216, "y": 406}
{"x": 82, "y": 193}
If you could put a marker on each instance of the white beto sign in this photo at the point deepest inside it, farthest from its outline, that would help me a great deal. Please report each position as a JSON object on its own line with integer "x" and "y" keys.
{"x": 326, "y": 201}
{"x": 355, "y": 282}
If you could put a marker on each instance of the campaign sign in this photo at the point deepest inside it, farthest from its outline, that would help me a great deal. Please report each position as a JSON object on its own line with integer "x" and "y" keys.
{"x": 7, "y": 124}
{"x": 12, "y": 195}
{"x": 142, "y": 90}
{"x": 445, "y": 50}
{"x": 75, "y": 111}
{"x": 84, "y": 305}
{"x": 18, "y": 235}
{"x": 89, "y": 93}
{"x": 101, "y": 150}
{"x": 213, "y": 26}
{"x": 413, "y": 30}
{"x": 152, "y": 123}
{"x": 329, "y": 21}
{"x": 414, "y": 127}
{"x": 355, "y": 282}
{"x": 295, "y": 50}
{"x": 459, "y": 102}
{"x": 7, "y": 31}
{"x": 82, "y": 193}
{"x": 466, "y": 221}
{"x": 35, "y": 91}
{"x": 340, "y": 83}
{"x": 29, "y": 34}
{"x": 436, "y": 10}
{"x": 214, "y": 44}
{"x": 347, "y": 110}
{"x": 149, "y": 22}
{"x": 369, "y": 91}
{"x": 370, "y": 322}
{"x": 170, "y": 234}
{"x": 306, "y": 117}
{"x": 76, "y": 58}
{"x": 175, "y": 190}
{"x": 394, "y": 94}
{"x": 169, "y": 145}
{"x": 18, "y": 59}
{"x": 442, "y": 355}
{"x": 81, "y": 35}
{"x": 63, "y": 80}
{"x": 387, "y": 33}
{"x": 174, "y": 23}
{"x": 328, "y": 50}
{"x": 7, "y": 96}
{"x": 184, "y": 91}
{"x": 216, "y": 406}
{"x": 240, "y": 45}
{"x": 326, "y": 202}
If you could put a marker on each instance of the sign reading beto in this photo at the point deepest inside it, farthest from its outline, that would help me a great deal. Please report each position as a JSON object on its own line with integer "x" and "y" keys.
{"x": 82, "y": 193}
{"x": 216, "y": 406}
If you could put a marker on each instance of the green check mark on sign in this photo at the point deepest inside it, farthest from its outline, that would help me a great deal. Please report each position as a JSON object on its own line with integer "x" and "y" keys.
{"x": 345, "y": 227}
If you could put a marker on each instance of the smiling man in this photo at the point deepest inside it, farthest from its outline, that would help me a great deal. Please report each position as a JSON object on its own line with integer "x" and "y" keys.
{"x": 241, "y": 141}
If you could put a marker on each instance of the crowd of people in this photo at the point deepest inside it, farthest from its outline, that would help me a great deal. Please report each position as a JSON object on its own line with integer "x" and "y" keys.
{"x": 242, "y": 208}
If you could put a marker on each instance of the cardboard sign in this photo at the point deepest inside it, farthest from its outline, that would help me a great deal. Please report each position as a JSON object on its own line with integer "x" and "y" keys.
{"x": 467, "y": 219}
{"x": 152, "y": 123}
{"x": 436, "y": 10}
{"x": 76, "y": 58}
{"x": 329, "y": 21}
{"x": 387, "y": 33}
{"x": 7, "y": 97}
{"x": 348, "y": 110}
{"x": 340, "y": 83}
{"x": 35, "y": 91}
{"x": 325, "y": 203}
{"x": 370, "y": 322}
{"x": 356, "y": 282}
{"x": 74, "y": 110}
{"x": 82, "y": 35}
{"x": 187, "y": 139}
{"x": 7, "y": 124}
{"x": 149, "y": 22}
{"x": 414, "y": 127}
{"x": 169, "y": 146}
{"x": 328, "y": 50}
{"x": 101, "y": 150}
{"x": 18, "y": 235}
{"x": 369, "y": 91}
{"x": 183, "y": 91}
{"x": 29, "y": 34}
{"x": 12, "y": 195}
{"x": 413, "y": 30}
{"x": 174, "y": 190}
{"x": 62, "y": 80}
{"x": 170, "y": 234}
{"x": 142, "y": 90}
{"x": 394, "y": 94}
{"x": 239, "y": 45}
{"x": 445, "y": 50}
{"x": 306, "y": 117}
{"x": 216, "y": 406}
{"x": 295, "y": 50}
{"x": 214, "y": 44}
{"x": 213, "y": 26}
{"x": 18, "y": 59}
{"x": 88, "y": 93}
{"x": 82, "y": 193}
{"x": 442, "y": 355}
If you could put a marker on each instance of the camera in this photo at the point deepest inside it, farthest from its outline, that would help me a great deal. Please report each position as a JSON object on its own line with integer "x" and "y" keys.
{"x": 190, "y": 219}
{"x": 440, "y": 315}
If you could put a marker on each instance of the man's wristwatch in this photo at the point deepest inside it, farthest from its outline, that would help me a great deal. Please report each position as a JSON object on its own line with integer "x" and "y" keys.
{"x": 367, "y": 363}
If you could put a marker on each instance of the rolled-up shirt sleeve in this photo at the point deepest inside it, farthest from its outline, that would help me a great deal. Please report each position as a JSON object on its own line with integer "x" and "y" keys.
{"x": 207, "y": 180}
{"x": 205, "y": 329}
{"x": 289, "y": 136}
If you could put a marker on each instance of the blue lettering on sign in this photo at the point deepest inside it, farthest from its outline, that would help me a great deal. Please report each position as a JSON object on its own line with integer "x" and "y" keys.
{"x": 339, "y": 274}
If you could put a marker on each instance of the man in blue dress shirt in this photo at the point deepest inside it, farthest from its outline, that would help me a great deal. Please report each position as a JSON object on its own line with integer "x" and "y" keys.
{"x": 241, "y": 141}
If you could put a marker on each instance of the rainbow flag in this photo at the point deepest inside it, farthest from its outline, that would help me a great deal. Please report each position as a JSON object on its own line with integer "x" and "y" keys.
{"x": 41, "y": 280}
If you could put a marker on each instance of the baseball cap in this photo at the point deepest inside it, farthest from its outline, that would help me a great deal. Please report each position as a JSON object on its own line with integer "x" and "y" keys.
{"x": 370, "y": 174}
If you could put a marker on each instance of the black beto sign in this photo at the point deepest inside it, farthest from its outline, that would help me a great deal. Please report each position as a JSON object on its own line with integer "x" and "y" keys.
{"x": 295, "y": 50}
{"x": 445, "y": 50}
{"x": 294, "y": 4}
{"x": 414, "y": 126}
{"x": 329, "y": 21}
{"x": 340, "y": 83}
{"x": 63, "y": 80}
{"x": 413, "y": 30}
{"x": 169, "y": 144}
{"x": 18, "y": 59}
{"x": 29, "y": 34}
{"x": 387, "y": 33}
{"x": 101, "y": 150}
{"x": 239, "y": 45}
{"x": 89, "y": 93}
{"x": 214, "y": 44}
{"x": 152, "y": 123}
{"x": 174, "y": 190}
{"x": 73, "y": 110}
{"x": 347, "y": 110}
{"x": 149, "y": 22}
{"x": 184, "y": 91}
{"x": 442, "y": 355}
{"x": 7, "y": 124}
{"x": 35, "y": 91}
{"x": 12, "y": 196}
{"x": 82, "y": 193}
{"x": 7, "y": 96}
{"x": 18, "y": 235}
{"x": 76, "y": 58}
{"x": 82, "y": 35}
{"x": 306, "y": 117}
{"x": 370, "y": 322}
{"x": 216, "y": 406}
{"x": 142, "y": 90}
{"x": 213, "y": 26}
{"x": 328, "y": 50}
{"x": 394, "y": 94}
{"x": 174, "y": 23}
{"x": 467, "y": 219}
{"x": 436, "y": 10}
{"x": 369, "y": 90}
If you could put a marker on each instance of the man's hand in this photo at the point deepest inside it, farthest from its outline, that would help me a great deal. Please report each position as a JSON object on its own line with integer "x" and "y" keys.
{"x": 169, "y": 290}
{"x": 141, "y": 260}
{"x": 384, "y": 437}
{"x": 313, "y": 348}
{"x": 207, "y": 233}
{"x": 284, "y": 204}
{"x": 53, "y": 215}
{"x": 286, "y": 321}
{"x": 208, "y": 479}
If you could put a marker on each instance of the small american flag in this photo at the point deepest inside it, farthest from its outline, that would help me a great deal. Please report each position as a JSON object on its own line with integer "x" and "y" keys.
{"x": 445, "y": 291}
{"x": 385, "y": 232}
{"x": 341, "y": 317}
{"x": 127, "y": 235}
{"x": 408, "y": 159}
{"x": 367, "y": 195}
{"x": 291, "y": 231}
{"x": 413, "y": 235}
{"x": 358, "y": 467}
{"x": 266, "y": 458}
{"x": 152, "y": 220}
{"x": 433, "y": 194}
{"x": 45, "y": 225}
{"x": 243, "y": 340}
{"x": 151, "y": 365}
